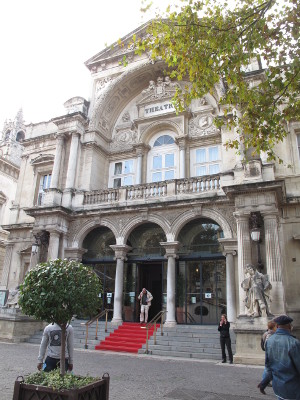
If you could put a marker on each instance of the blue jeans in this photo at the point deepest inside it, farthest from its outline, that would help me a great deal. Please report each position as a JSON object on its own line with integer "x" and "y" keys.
{"x": 54, "y": 363}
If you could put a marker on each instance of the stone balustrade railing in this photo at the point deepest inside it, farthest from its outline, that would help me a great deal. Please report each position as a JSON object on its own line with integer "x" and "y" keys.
{"x": 146, "y": 191}
{"x": 154, "y": 190}
{"x": 101, "y": 196}
{"x": 198, "y": 184}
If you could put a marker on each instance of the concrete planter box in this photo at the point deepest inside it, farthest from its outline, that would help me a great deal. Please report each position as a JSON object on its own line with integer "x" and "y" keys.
{"x": 98, "y": 390}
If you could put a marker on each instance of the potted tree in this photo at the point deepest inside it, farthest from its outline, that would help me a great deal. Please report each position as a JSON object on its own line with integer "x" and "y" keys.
{"x": 55, "y": 291}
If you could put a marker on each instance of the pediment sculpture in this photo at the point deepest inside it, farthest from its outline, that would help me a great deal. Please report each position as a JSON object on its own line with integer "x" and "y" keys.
{"x": 160, "y": 89}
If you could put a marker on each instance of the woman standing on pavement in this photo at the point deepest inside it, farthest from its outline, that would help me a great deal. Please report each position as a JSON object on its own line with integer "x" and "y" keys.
{"x": 223, "y": 328}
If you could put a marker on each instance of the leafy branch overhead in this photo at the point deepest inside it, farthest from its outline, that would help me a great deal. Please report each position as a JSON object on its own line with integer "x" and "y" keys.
{"x": 207, "y": 42}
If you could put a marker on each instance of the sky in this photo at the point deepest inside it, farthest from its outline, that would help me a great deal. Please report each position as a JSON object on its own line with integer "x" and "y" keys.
{"x": 43, "y": 47}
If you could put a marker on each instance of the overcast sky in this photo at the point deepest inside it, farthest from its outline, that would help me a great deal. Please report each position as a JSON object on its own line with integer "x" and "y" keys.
{"x": 43, "y": 47}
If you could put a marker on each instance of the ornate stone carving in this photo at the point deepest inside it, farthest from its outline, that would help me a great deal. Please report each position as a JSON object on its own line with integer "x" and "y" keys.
{"x": 124, "y": 134}
{"x": 257, "y": 288}
{"x": 161, "y": 89}
{"x": 101, "y": 84}
{"x": 202, "y": 125}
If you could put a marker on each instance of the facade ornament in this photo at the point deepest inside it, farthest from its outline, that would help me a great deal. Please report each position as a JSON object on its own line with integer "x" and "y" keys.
{"x": 13, "y": 298}
{"x": 202, "y": 125}
{"x": 161, "y": 89}
{"x": 257, "y": 287}
{"x": 101, "y": 84}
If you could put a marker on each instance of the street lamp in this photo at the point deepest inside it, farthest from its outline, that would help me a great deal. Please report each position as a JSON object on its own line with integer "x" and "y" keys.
{"x": 35, "y": 247}
{"x": 255, "y": 236}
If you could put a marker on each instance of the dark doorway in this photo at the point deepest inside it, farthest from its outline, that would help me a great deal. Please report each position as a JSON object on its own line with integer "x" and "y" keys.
{"x": 150, "y": 277}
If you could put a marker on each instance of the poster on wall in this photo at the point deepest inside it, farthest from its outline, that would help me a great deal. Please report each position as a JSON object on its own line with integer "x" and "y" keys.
{"x": 3, "y": 297}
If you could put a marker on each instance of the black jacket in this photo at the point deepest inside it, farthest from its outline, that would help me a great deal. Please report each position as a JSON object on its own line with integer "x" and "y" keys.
{"x": 224, "y": 330}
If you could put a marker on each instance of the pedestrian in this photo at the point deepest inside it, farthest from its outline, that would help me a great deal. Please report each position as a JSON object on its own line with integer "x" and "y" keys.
{"x": 282, "y": 361}
{"x": 51, "y": 344}
{"x": 266, "y": 335}
{"x": 145, "y": 298}
{"x": 223, "y": 328}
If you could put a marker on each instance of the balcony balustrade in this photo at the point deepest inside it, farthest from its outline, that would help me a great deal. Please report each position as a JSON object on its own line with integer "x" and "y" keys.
{"x": 154, "y": 190}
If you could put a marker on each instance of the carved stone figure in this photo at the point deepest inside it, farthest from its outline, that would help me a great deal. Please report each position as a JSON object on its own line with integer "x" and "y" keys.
{"x": 257, "y": 287}
{"x": 13, "y": 298}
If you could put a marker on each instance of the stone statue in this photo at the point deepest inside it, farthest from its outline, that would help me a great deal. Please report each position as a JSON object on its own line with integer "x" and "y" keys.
{"x": 13, "y": 298}
{"x": 257, "y": 287}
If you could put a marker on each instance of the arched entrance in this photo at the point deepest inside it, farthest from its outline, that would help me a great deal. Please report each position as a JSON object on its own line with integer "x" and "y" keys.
{"x": 100, "y": 256}
{"x": 200, "y": 274}
{"x": 145, "y": 267}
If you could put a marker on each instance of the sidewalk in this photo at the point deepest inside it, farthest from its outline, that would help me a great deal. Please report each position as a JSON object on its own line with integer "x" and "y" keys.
{"x": 134, "y": 377}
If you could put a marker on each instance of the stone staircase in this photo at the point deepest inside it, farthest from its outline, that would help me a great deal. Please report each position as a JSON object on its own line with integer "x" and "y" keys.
{"x": 188, "y": 341}
{"x": 80, "y": 332}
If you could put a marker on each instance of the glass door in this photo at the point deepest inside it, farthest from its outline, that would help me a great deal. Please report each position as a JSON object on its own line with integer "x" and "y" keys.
{"x": 107, "y": 273}
{"x": 201, "y": 291}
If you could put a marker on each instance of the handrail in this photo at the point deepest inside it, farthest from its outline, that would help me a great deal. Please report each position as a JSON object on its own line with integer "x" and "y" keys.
{"x": 190, "y": 317}
{"x": 92, "y": 320}
{"x": 153, "y": 322}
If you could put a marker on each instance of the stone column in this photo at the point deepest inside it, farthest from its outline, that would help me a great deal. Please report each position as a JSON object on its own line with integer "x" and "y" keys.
{"x": 120, "y": 256}
{"x": 57, "y": 161}
{"x": 274, "y": 261}
{"x": 244, "y": 252}
{"x": 140, "y": 150}
{"x": 139, "y": 169}
{"x": 7, "y": 262}
{"x": 73, "y": 159}
{"x": 182, "y": 146}
{"x": 230, "y": 285}
{"x": 171, "y": 255}
{"x": 53, "y": 245}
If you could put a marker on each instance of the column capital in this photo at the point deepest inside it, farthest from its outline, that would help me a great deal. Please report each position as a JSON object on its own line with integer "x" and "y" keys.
{"x": 228, "y": 251}
{"x": 141, "y": 149}
{"x": 270, "y": 214}
{"x": 171, "y": 248}
{"x": 75, "y": 134}
{"x": 120, "y": 250}
{"x": 60, "y": 136}
{"x": 181, "y": 141}
{"x": 74, "y": 253}
{"x": 242, "y": 215}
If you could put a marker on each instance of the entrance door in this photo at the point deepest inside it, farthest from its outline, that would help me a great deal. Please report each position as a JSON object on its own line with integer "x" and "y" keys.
{"x": 150, "y": 277}
{"x": 203, "y": 291}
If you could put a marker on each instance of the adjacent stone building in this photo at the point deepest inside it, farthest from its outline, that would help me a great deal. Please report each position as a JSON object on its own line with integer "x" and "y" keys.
{"x": 11, "y": 138}
{"x": 151, "y": 198}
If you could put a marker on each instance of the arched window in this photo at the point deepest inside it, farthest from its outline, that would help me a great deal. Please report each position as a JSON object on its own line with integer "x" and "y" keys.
{"x": 20, "y": 136}
{"x": 164, "y": 139}
{"x": 162, "y": 159}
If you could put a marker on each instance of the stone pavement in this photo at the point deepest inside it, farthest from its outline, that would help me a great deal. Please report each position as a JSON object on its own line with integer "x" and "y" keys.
{"x": 134, "y": 377}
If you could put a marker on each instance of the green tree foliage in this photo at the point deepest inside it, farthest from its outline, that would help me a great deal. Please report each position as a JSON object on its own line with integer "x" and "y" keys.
{"x": 204, "y": 41}
{"x": 58, "y": 289}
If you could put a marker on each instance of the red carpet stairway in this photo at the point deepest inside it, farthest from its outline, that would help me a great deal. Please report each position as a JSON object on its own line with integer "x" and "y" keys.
{"x": 129, "y": 337}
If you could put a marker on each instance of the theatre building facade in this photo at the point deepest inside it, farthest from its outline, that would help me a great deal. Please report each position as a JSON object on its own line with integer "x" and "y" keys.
{"x": 151, "y": 198}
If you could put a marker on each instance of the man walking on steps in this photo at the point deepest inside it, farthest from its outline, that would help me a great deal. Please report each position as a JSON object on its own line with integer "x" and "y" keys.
{"x": 145, "y": 298}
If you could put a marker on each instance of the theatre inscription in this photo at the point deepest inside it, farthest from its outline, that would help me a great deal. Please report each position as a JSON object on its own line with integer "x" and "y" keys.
{"x": 157, "y": 109}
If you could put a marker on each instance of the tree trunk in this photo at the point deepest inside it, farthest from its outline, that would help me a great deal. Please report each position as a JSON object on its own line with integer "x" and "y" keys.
{"x": 63, "y": 350}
